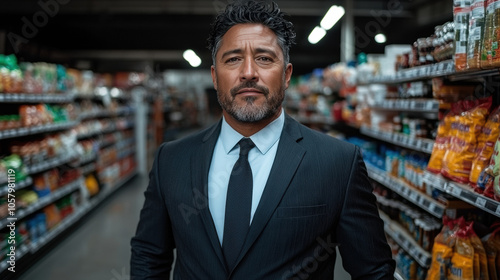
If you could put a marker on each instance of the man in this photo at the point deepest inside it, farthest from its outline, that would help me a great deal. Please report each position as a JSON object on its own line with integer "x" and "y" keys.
{"x": 292, "y": 196}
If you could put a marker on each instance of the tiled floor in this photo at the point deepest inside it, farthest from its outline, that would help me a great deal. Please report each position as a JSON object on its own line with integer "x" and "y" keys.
{"x": 100, "y": 248}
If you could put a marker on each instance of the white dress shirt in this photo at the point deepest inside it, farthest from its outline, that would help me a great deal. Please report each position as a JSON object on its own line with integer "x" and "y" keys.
{"x": 226, "y": 153}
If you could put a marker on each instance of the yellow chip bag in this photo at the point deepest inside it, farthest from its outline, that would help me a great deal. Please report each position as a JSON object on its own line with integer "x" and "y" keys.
{"x": 442, "y": 250}
{"x": 485, "y": 145}
{"x": 465, "y": 130}
{"x": 480, "y": 259}
{"x": 462, "y": 264}
{"x": 442, "y": 141}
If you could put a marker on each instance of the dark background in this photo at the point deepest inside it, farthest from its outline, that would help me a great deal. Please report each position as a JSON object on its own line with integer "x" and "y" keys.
{"x": 112, "y": 35}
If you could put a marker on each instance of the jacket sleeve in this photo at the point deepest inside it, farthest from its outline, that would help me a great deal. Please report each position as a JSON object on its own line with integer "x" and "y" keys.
{"x": 363, "y": 244}
{"x": 153, "y": 244}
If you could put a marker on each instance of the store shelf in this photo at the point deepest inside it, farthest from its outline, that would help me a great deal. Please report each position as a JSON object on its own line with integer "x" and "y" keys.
{"x": 126, "y": 153}
{"x": 35, "y": 98}
{"x": 86, "y": 169}
{"x": 49, "y": 163}
{"x": 122, "y": 111}
{"x": 111, "y": 129}
{"x": 409, "y": 105}
{"x": 411, "y": 194}
{"x": 18, "y": 185}
{"x": 425, "y": 72}
{"x": 24, "y": 131}
{"x": 88, "y": 158}
{"x": 463, "y": 192}
{"x": 65, "y": 224}
{"x": 414, "y": 143}
{"x": 314, "y": 119}
{"x": 406, "y": 241}
{"x": 33, "y": 248}
{"x": 43, "y": 201}
{"x": 108, "y": 189}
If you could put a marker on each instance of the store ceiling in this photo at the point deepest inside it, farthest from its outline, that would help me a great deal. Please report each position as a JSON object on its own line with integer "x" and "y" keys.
{"x": 112, "y": 35}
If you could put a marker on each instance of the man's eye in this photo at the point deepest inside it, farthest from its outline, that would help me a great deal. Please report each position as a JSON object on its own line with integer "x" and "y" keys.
{"x": 265, "y": 59}
{"x": 232, "y": 59}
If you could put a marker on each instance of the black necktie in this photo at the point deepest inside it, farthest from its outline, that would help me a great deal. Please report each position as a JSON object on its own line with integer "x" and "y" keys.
{"x": 238, "y": 205}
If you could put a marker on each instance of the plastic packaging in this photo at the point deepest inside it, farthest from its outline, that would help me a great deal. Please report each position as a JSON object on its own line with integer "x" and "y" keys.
{"x": 476, "y": 31}
{"x": 461, "y": 12}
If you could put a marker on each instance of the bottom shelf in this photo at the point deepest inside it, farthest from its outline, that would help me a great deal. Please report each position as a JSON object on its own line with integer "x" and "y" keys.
{"x": 25, "y": 250}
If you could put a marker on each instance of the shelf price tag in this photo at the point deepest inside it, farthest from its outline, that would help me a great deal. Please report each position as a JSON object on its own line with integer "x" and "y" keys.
{"x": 455, "y": 190}
{"x": 481, "y": 201}
{"x": 432, "y": 207}
{"x": 414, "y": 196}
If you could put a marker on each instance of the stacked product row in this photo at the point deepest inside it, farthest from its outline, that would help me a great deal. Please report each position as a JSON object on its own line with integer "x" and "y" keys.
{"x": 67, "y": 141}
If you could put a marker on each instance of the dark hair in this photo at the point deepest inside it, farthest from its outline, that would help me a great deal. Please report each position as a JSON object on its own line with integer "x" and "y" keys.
{"x": 252, "y": 12}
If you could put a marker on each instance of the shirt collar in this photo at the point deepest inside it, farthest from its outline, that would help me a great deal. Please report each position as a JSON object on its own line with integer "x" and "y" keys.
{"x": 263, "y": 139}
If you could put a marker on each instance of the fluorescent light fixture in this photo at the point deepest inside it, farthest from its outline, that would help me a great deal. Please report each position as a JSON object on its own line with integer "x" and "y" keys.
{"x": 316, "y": 35}
{"x": 192, "y": 58}
{"x": 380, "y": 38}
{"x": 115, "y": 92}
{"x": 332, "y": 16}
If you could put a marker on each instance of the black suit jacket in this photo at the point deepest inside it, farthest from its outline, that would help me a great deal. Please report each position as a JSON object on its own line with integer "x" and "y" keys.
{"x": 318, "y": 196}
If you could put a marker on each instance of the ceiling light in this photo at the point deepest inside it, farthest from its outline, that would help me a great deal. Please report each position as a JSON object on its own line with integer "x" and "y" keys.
{"x": 191, "y": 57}
{"x": 332, "y": 16}
{"x": 380, "y": 38}
{"x": 316, "y": 35}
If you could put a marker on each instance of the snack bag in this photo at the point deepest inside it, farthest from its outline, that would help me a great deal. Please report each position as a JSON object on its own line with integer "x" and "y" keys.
{"x": 465, "y": 130}
{"x": 485, "y": 145}
{"x": 491, "y": 254}
{"x": 461, "y": 12}
{"x": 442, "y": 251}
{"x": 442, "y": 141}
{"x": 462, "y": 264}
{"x": 486, "y": 48}
{"x": 476, "y": 31}
{"x": 480, "y": 259}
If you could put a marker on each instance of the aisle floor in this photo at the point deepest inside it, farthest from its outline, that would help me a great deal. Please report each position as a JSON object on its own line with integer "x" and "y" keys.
{"x": 99, "y": 249}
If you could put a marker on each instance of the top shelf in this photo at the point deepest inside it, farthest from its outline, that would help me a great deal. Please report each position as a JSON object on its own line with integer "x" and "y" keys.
{"x": 425, "y": 72}
{"x": 36, "y": 98}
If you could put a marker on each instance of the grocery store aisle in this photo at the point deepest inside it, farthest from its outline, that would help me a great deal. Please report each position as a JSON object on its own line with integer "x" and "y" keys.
{"x": 100, "y": 247}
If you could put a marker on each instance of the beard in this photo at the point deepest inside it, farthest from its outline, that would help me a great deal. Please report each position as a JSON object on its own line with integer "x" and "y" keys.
{"x": 250, "y": 112}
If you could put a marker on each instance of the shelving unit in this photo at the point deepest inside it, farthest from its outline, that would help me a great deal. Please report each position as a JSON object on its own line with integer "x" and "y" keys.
{"x": 463, "y": 192}
{"x": 25, "y": 131}
{"x": 400, "y": 139}
{"x": 396, "y": 232}
{"x": 402, "y": 188}
{"x": 121, "y": 119}
{"x": 425, "y": 72}
{"x": 411, "y": 105}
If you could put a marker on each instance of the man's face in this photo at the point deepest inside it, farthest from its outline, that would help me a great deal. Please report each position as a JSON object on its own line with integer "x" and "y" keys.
{"x": 249, "y": 74}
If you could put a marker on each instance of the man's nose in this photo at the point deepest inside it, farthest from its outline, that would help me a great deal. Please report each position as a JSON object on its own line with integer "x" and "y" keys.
{"x": 249, "y": 71}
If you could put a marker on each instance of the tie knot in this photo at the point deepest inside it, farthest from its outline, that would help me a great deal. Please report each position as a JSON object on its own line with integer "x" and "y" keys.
{"x": 246, "y": 144}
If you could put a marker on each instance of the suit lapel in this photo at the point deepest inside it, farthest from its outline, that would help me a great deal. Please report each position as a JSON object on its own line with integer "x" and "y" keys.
{"x": 287, "y": 160}
{"x": 200, "y": 164}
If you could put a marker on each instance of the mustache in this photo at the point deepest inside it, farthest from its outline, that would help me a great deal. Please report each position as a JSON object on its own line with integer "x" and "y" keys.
{"x": 249, "y": 84}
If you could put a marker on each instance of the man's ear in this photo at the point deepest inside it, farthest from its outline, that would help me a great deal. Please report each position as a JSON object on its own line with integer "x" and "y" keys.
{"x": 288, "y": 74}
{"x": 214, "y": 76}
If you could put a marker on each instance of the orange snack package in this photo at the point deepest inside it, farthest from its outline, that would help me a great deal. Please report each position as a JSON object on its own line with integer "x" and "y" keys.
{"x": 485, "y": 145}
{"x": 465, "y": 130}
{"x": 480, "y": 259}
{"x": 442, "y": 250}
{"x": 441, "y": 144}
{"x": 462, "y": 264}
{"x": 491, "y": 248}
